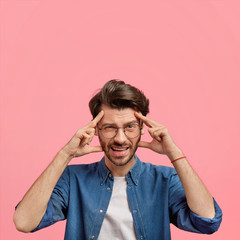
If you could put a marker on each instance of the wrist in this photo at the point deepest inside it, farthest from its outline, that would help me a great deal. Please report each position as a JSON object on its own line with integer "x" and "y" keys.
{"x": 177, "y": 153}
{"x": 65, "y": 155}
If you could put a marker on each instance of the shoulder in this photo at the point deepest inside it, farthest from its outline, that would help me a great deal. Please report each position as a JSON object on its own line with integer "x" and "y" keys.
{"x": 158, "y": 170}
{"x": 83, "y": 169}
{"x": 77, "y": 174}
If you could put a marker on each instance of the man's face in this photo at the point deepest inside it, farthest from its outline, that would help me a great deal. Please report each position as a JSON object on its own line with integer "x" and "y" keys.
{"x": 120, "y": 149}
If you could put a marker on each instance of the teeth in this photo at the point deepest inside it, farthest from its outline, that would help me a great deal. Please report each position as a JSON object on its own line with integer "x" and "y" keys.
{"x": 119, "y": 149}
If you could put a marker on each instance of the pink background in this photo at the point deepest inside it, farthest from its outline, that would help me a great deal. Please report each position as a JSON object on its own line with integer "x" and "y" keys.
{"x": 184, "y": 55}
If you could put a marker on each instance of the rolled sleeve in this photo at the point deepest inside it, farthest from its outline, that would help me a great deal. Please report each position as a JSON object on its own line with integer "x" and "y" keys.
{"x": 182, "y": 216}
{"x": 207, "y": 225}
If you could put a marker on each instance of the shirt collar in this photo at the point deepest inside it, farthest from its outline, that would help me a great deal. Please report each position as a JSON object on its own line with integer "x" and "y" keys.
{"x": 134, "y": 172}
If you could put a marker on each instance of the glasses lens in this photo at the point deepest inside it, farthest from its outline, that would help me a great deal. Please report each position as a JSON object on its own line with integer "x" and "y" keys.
{"x": 109, "y": 131}
{"x": 131, "y": 131}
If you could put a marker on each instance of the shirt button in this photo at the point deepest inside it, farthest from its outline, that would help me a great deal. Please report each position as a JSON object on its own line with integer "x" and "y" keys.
{"x": 108, "y": 188}
{"x": 93, "y": 237}
{"x": 110, "y": 175}
{"x": 101, "y": 211}
{"x": 129, "y": 187}
{"x": 141, "y": 237}
{"x": 134, "y": 211}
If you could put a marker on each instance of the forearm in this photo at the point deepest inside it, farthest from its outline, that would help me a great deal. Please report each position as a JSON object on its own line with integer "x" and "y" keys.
{"x": 198, "y": 197}
{"x": 34, "y": 203}
{"x": 31, "y": 209}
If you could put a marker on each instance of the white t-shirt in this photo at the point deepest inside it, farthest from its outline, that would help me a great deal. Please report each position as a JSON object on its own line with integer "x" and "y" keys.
{"x": 118, "y": 222}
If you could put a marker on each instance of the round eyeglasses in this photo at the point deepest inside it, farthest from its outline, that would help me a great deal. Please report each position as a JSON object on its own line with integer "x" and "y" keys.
{"x": 131, "y": 130}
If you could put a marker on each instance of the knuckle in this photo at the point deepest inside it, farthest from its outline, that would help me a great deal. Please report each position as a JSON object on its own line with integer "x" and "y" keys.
{"x": 156, "y": 134}
{"x": 79, "y": 131}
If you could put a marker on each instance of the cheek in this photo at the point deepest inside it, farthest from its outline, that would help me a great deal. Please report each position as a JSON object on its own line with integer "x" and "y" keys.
{"x": 103, "y": 143}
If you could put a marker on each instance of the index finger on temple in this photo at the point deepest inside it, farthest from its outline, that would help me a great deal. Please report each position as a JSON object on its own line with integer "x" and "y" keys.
{"x": 97, "y": 119}
{"x": 149, "y": 122}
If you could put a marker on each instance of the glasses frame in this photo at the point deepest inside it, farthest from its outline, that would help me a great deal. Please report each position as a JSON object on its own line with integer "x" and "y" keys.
{"x": 116, "y": 132}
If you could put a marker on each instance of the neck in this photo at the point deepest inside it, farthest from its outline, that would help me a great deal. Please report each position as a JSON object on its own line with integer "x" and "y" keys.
{"x": 119, "y": 171}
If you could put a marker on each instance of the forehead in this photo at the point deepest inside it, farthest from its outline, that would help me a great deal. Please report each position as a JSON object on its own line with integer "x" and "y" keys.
{"x": 116, "y": 116}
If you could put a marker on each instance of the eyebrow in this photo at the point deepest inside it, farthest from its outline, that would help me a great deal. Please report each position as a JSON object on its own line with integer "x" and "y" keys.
{"x": 113, "y": 124}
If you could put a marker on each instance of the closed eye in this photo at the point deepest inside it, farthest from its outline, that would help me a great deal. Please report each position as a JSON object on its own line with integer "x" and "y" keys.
{"x": 108, "y": 127}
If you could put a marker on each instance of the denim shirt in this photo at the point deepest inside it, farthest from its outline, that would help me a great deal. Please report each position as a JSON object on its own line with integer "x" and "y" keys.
{"x": 155, "y": 195}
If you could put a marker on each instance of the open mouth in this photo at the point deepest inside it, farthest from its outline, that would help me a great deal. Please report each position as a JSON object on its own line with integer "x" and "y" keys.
{"x": 119, "y": 149}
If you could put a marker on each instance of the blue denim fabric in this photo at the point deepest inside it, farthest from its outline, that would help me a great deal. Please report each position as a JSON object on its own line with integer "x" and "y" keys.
{"x": 155, "y": 194}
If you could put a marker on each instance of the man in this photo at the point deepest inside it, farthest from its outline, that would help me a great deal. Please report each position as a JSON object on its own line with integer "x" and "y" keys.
{"x": 119, "y": 197}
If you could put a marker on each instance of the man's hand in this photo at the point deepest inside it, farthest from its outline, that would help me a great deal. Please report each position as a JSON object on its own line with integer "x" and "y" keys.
{"x": 162, "y": 141}
{"x": 79, "y": 144}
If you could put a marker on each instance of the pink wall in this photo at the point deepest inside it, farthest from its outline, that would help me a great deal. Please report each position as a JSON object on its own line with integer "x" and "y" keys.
{"x": 183, "y": 54}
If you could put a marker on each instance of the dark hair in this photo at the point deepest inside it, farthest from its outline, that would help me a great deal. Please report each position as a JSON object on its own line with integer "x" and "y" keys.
{"x": 116, "y": 94}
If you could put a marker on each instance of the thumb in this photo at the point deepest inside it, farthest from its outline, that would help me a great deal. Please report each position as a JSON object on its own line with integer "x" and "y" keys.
{"x": 144, "y": 144}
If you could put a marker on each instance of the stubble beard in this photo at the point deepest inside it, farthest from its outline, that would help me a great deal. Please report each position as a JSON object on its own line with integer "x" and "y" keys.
{"x": 112, "y": 160}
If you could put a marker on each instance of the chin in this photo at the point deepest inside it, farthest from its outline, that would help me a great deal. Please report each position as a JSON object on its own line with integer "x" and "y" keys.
{"x": 120, "y": 162}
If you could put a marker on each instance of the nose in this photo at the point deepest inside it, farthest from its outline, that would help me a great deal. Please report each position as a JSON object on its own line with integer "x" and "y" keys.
{"x": 120, "y": 137}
